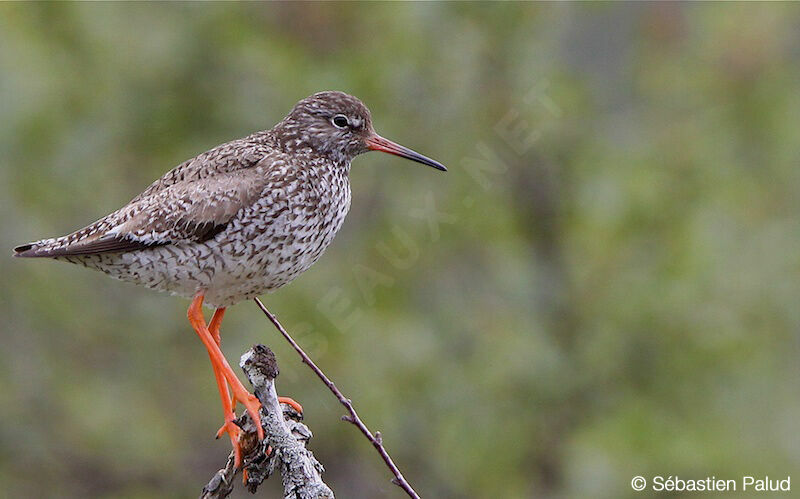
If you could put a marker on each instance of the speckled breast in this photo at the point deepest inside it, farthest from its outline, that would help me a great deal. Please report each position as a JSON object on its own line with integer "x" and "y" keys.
{"x": 265, "y": 246}
{"x": 282, "y": 234}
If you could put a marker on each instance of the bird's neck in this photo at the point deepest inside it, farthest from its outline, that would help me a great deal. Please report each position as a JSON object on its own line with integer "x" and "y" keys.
{"x": 298, "y": 147}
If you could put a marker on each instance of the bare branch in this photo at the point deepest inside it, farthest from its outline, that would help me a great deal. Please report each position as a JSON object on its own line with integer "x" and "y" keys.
{"x": 376, "y": 439}
{"x": 221, "y": 484}
{"x": 284, "y": 445}
{"x": 300, "y": 471}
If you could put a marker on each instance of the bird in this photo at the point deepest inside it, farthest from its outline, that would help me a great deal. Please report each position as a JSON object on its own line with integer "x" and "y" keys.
{"x": 241, "y": 219}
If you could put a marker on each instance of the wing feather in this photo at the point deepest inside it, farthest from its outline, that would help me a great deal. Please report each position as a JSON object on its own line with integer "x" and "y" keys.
{"x": 194, "y": 202}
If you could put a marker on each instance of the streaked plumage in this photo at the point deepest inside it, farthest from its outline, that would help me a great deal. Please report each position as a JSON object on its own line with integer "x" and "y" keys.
{"x": 243, "y": 218}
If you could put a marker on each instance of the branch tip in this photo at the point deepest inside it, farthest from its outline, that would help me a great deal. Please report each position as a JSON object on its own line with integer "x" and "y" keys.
{"x": 353, "y": 418}
{"x": 261, "y": 360}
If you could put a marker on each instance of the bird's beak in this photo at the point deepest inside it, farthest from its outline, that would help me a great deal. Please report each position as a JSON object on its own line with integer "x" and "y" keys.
{"x": 378, "y": 143}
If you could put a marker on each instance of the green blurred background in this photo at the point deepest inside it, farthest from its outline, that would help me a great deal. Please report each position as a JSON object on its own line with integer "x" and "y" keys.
{"x": 605, "y": 283}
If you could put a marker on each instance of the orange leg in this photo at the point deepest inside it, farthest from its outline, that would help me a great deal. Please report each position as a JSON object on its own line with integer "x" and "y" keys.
{"x": 221, "y": 365}
{"x": 229, "y": 427}
{"x": 213, "y": 326}
{"x": 228, "y": 402}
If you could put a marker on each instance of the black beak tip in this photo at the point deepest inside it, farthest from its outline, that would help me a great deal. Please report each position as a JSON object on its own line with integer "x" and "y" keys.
{"x": 378, "y": 143}
{"x": 427, "y": 161}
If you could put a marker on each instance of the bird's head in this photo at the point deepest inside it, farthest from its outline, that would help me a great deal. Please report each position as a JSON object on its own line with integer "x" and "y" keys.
{"x": 339, "y": 126}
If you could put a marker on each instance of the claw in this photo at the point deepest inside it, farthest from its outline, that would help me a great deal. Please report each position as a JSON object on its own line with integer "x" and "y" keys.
{"x": 253, "y": 407}
{"x": 233, "y": 432}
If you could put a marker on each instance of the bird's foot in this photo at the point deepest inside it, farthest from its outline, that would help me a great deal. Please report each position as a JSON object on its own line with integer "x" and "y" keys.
{"x": 253, "y": 407}
{"x": 291, "y": 402}
{"x": 233, "y": 432}
{"x": 229, "y": 418}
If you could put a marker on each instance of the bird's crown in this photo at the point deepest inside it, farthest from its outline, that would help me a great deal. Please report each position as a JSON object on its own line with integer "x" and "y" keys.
{"x": 331, "y": 123}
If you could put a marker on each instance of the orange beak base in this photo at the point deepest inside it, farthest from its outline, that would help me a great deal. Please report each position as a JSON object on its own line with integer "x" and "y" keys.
{"x": 378, "y": 143}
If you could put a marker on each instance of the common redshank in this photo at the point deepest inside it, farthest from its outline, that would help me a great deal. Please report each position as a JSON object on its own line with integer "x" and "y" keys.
{"x": 241, "y": 219}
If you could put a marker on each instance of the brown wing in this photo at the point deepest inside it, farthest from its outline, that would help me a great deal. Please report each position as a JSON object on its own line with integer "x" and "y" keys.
{"x": 186, "y": 210}
{"x": 101, "y": 245}
{"x": 232, "y": 156}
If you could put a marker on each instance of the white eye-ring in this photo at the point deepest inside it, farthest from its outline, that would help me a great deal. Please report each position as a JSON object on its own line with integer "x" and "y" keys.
{"x": 340, "y": 121}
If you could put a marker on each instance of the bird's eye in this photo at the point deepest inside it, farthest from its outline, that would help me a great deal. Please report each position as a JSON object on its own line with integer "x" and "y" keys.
{"x": 340, "y": 121}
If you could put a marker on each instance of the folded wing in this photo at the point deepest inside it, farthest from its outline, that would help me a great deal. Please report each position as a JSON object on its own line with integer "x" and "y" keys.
{"x": 193, "y": 210}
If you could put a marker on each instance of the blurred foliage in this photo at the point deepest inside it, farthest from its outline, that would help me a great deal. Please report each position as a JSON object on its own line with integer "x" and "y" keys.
{"x": 613, "y": 292}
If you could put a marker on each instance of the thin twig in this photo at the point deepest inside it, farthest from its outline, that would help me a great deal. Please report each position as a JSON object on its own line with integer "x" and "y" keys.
{"x": 376, "y": 439}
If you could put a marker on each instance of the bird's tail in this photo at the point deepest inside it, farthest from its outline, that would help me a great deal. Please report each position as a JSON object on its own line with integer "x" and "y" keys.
{"x": 38, "y": 249}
